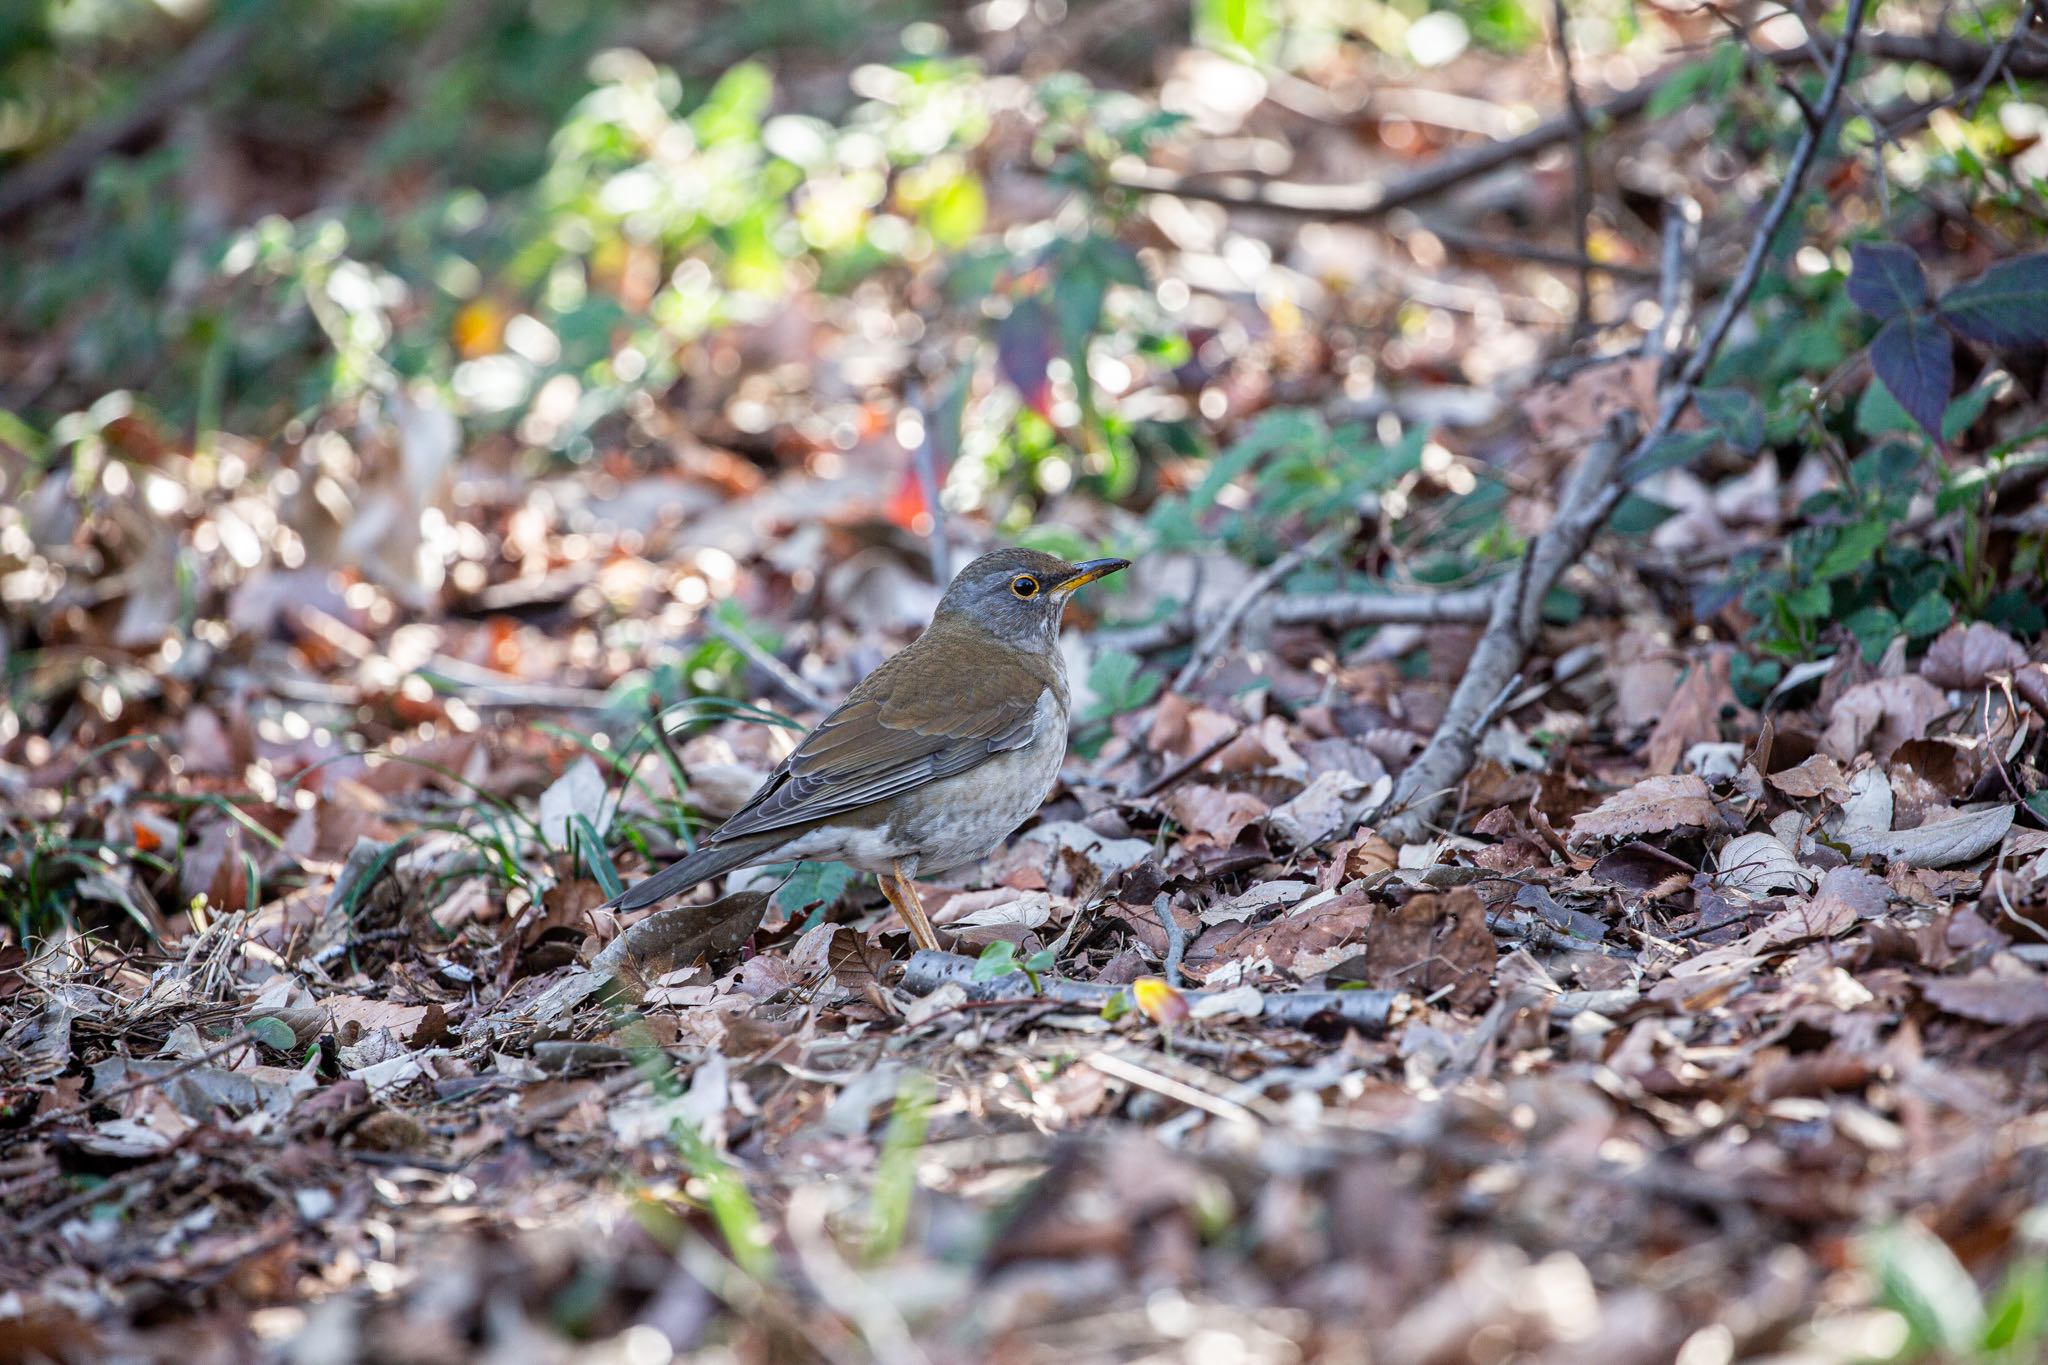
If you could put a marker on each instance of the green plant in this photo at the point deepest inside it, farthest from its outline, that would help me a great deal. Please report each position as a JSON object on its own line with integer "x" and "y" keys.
{"x": 999, "y": 959}
{"x": 1947, "y": 1317}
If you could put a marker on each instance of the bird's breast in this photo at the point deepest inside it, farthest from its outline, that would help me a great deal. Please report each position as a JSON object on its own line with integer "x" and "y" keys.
{"x": 967, "y": 815}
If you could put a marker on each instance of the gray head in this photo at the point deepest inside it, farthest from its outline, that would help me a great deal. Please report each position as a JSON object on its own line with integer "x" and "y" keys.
{"x": 1018, "y": 596}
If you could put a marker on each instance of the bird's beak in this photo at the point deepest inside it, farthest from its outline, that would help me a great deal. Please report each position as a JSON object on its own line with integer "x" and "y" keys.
{"x": 1091, "y": 570}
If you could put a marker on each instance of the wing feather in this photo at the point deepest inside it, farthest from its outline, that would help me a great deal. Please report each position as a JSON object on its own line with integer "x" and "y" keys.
{"x": 897, "y": 732}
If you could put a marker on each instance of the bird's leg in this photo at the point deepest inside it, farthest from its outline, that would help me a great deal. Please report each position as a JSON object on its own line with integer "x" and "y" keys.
{"x": 911, "y": 907}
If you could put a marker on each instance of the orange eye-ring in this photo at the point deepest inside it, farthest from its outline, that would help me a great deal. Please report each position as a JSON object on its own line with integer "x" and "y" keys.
{"x": 1024, "y": 585}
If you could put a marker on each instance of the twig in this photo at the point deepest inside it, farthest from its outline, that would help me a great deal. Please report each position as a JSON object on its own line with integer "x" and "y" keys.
{"x": 139, "y": 1082}
{"x": 1582, "y": 167}
{"x": 1596, "y": 486}
{"x": 1334, "y": 610}
{"x": 184, "y": 80}
{"x": 1510, "y": 631}
{"x": 1794, "y": 184}
{"x": 1675, "y": 287}
{"x": 1176, "y": 939}
{"x": 1370, "y": 1011}
{"x": 1364, "y": 203}
{"x": 1225, "y": 625}
{"x": 1189, "y": 764}
{"x": 1478, "y": 244}
{"x": 63, "y": 1208}
{"x": 1973, "y": 94}
{"x": 780, "y": 673}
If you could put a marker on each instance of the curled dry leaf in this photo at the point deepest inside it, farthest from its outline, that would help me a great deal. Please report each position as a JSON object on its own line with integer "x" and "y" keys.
{"x": 1945, "y": 843}
{"x": 1819, "y": 775}
{"x": 1652, "y": 806}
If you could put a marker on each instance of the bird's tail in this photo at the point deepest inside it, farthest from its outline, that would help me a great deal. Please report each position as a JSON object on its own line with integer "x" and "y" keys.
{"x": 681, "y": 875}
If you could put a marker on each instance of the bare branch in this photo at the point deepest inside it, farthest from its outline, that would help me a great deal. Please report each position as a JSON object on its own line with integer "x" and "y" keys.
{"x": 1582, "y": 166}
{"x": 1596, "y": 486}
{"x": 1335, "y": 610}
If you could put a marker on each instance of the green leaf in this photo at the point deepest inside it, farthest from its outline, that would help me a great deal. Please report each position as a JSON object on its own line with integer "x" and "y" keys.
{"x": 1885, "y": 279}
{"x": 1963, "y": 413}
{"x": 1929, "y": 616}
{"x": 1118, "y": 684}
{"x": 1874, "y": 628}
{"x": 819, "y": 884}
{"x": 997, "y": 960}
{"x": 1638, "y": 516}
{"x": 2006, "y": 306}
{"x": 1919, "y": 1277}
{"x": 1676, "y": 448}
{"x": 1853, "y": 549}
{"x": 1241, "y": 26}
{"x": 2019, "y": 1315}
{"x": 273, "y": 1033}
{"x": 1879, "y": 414}
{"x": 1913, "y": 358}
{"x": 1736, "y": 415}
{"x": 1962, "y": 489}
{"x": 1697, "y": 81}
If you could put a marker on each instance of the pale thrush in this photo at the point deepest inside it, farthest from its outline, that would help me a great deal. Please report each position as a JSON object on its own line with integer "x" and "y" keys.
{"x": 933, "y": 758}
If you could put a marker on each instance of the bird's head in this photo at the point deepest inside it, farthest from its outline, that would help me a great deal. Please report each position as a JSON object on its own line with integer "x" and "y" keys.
{"x": 1018, "y": 595}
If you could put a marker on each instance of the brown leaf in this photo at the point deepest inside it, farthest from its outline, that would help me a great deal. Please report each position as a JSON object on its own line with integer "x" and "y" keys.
{"x": 413, "y": 1025}
{"x": 668, "y": 939}
{"x": 1944, "y": 843}
{"x": 1652, "y": 806}
{"x": 1693, "y": 715}
{"x": 1817, "y": 776}
{"x": 1880, "y": 716}
{"x": 2004, "y": 992}
{"x": 1432, "y": 942}
{"x": 1964, "y": 657}
{"x": 1212, "y": 815}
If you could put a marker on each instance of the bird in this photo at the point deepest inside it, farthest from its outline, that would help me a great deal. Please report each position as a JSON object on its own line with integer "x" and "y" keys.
{"x": 933, "y": 759}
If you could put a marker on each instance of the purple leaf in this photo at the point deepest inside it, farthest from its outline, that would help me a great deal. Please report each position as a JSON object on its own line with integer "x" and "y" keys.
{"x": 1025, "y": 347}
{"x": 1911, "y": 355}
{"x": 1885, "y": 279}
{"x": 2006, "y": 306}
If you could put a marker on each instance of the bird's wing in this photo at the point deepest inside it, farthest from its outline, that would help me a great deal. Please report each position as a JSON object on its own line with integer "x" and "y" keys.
{"x": 898, "y": 731}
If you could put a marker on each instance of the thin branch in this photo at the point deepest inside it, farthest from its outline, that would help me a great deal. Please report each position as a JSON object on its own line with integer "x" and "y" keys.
{"x": 1582, "y": 167}
{"x": 1218, "y": 635}
{"x": 1596, "y": 486}
{"x": 779, "y": 672}
{"x": 1675, "y": 286}
{"x": 1959, "y": 57}
{"x": 1333, "y": 610}
{"x": 2000, "y": 58}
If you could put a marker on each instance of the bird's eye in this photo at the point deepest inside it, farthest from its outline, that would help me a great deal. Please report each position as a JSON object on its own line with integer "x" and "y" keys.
{"x": 1024, "y": 585}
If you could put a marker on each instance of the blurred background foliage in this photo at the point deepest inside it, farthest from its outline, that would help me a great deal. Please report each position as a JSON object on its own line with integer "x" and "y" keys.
{"x": 586, "y": 231}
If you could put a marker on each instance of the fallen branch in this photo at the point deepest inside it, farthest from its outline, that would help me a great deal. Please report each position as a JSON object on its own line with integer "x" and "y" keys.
{"x": 1335, "y": 610}
{"x": 1368, "y": 1011}
{"x": 1596, "y": 486}
{"x": 1221, "y": 630}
